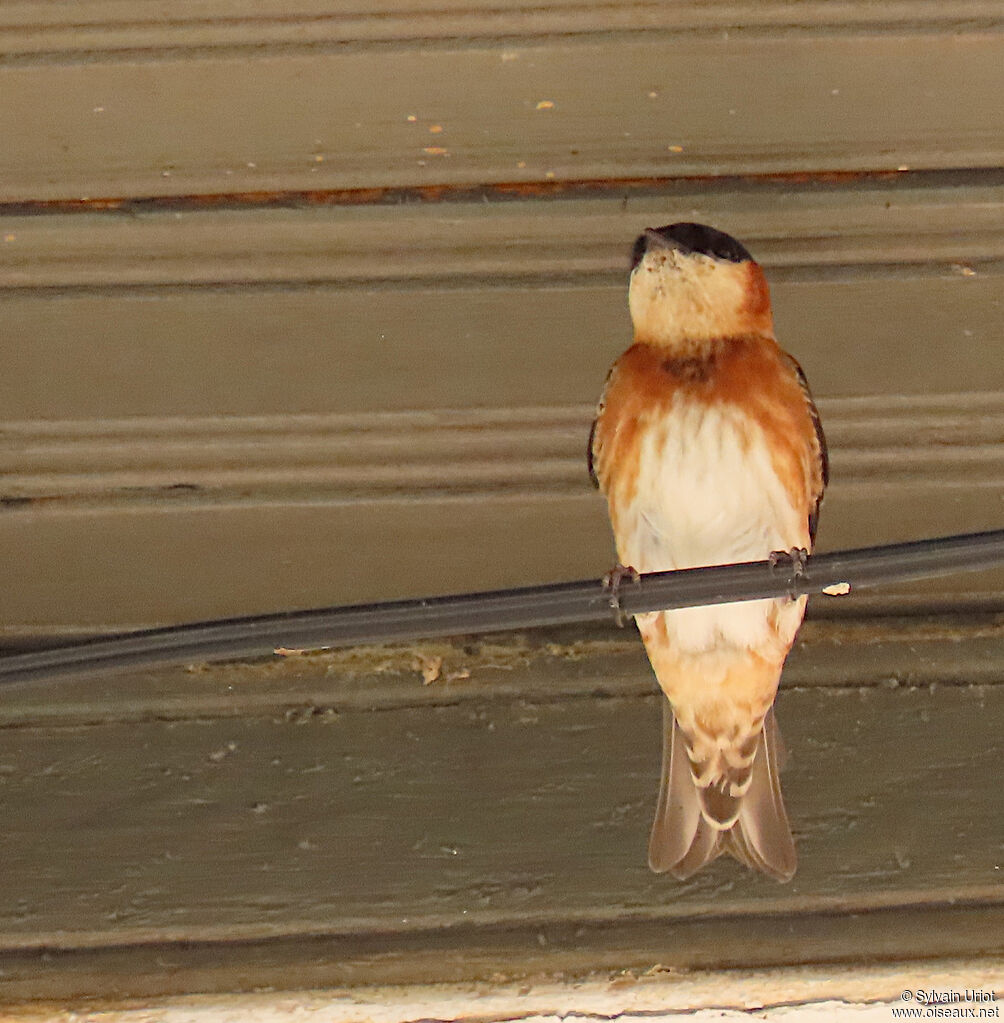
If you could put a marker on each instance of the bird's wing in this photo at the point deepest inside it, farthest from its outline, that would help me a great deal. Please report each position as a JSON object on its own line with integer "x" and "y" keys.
{"x": 592, "y": 449}
{"x": 823, "y": 454}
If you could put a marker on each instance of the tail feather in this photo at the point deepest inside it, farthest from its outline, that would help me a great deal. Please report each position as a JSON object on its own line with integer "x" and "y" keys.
{"x": 683, "y": 839}
{"x": 708, "y": 845}
{"x": 678, "y": 817}
{"x": 763, "y": 824}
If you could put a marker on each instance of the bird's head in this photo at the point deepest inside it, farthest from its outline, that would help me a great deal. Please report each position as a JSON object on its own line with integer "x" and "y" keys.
{"x": 691, "y": 285}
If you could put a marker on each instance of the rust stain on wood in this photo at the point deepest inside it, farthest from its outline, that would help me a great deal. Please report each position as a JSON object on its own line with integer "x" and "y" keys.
{"x": 500, "y": 191}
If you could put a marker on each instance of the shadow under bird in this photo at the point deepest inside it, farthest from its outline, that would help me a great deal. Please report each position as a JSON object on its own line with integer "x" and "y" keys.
{"x": 709, "y": 450}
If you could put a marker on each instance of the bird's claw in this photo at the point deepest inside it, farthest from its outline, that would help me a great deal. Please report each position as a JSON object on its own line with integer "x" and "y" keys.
{"x": 794, "y": 561}
{"x": 612, "y": 584}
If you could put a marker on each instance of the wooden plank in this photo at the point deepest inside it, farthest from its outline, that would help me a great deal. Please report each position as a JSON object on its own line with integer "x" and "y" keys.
{"x": 360, "y": 351}
{"x": 233, "y": 354}
{"x": 138, "y": 124}
{"x": 92, "y": 571}
{"x": 367, "y": 845}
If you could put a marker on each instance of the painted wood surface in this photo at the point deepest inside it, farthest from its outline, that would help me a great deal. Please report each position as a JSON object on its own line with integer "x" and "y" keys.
{"x": 309, "y": 304}
{"x": 513, "y": 99}
{"x": 335, "y": 817}
{"x": 190, "y": 385}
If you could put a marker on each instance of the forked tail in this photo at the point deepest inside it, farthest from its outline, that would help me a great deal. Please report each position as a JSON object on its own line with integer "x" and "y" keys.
{"x": 684, "y": 839}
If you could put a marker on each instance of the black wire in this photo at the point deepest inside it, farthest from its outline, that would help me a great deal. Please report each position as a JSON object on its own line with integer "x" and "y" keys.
{"x": 555, "y": 604}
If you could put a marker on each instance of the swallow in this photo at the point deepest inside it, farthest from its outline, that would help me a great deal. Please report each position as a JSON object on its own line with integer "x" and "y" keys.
{"x": 709, "y": 450}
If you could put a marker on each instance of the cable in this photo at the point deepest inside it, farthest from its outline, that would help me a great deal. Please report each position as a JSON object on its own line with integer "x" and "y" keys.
{"x": 555, "y": 604}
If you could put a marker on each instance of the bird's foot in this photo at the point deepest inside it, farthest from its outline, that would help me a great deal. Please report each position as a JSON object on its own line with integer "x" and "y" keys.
{"x": 612, "y": 584}
{"x": 794, "y": 562}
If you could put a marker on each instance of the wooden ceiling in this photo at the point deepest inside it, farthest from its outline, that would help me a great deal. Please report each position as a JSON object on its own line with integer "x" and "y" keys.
{"x": 309, "y": 303}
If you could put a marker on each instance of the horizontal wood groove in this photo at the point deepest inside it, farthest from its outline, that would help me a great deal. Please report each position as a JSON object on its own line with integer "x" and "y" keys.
{"x": 796, "y": 232}
{"x": 509, "y": 191}
{"x": 377, "y": 930}
{"x": 64, "y": 31}
{"x": 941, "y": 441}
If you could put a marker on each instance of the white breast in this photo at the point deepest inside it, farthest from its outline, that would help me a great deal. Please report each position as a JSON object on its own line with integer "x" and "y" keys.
{"x": 708, "y": 494}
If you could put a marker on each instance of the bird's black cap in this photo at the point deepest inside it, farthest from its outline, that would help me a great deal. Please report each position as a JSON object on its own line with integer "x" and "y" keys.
{"x": 687, "y": 237}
